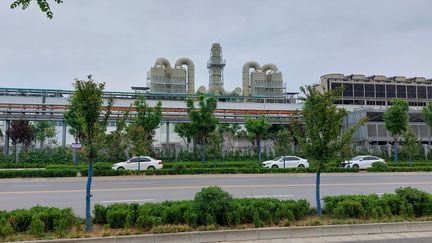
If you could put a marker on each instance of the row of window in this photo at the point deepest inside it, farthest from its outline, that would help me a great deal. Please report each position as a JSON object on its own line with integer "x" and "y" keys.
{"x": 376, "y": 102}
{"x": 384, "y": 90}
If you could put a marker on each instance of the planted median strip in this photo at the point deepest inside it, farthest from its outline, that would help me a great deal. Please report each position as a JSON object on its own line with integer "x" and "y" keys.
{"x": 214, "y": 209}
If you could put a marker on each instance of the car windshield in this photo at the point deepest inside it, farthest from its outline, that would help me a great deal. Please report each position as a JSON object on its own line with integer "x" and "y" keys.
{"x": 357, "y": 158}
{"x": 278, "y": 158}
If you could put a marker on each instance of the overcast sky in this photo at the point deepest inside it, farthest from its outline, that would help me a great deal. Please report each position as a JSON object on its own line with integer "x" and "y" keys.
{"x": 118, "y": 41}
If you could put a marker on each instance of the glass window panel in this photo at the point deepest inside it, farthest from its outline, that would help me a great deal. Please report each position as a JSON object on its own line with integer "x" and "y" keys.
{"x": 401, "y": 91}
{"x": 391, "y": 91}
{"x": 380, "y": 90}
{"x": 335, "y": 85}
{"x": 412, "y": 92}
{"x": 348, "y": 91}
{"x": 358, "y": 90}
{"x": 369, "y": 90}
{"x": 421, "y": 92}
{"x": 429, "y": 91}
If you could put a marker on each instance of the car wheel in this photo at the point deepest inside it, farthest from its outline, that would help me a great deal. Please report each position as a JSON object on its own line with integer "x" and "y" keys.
{"x": 275, "y": 166}
{"x": 301, "y": 166}
{"x": 150, "y": 168}
{"x": 355, "y": 166}
{"x": 120, "y": 168}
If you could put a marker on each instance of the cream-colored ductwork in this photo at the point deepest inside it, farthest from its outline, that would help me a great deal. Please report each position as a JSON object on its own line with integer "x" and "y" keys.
{"x": 164, "y": 62}
{"x": 190, "y": 72}
{"x": 269, "y": 66}
{"x": 246, "y": 76}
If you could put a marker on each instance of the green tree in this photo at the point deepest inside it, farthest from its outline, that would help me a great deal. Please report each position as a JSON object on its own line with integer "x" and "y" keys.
{"x": 283, "y": 142}
{"x": 321, "y": 138}
{"x": 43, "y": 5}
{"x": 71, "y": 118}
{"x": 427, "y": 115}
{"x": 257, "y": 129}
{"x": 44, "y": 130}
{"x": 116, "y": 143}
{"x": 141, "y": 131}
{"x": 412, "y": 145}
{"x": 87, "y": 103}
{"x": 396, "y": 121}
{"x": 203, "y": 120}
{"x": 229, "y": 132}
{"x": 215, "y": 143}
{"x": 186, "y": 132}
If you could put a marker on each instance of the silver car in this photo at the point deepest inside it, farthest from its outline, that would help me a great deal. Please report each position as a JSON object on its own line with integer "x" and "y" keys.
{"x": 286, "y": 162}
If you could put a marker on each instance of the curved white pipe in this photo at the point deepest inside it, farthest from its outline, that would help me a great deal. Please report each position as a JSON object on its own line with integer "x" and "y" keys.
{"x": 191, "y": 72}
{"x": 246, "y": 77}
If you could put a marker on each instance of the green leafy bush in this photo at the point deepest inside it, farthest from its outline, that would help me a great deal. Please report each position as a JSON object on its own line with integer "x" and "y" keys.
{"x": 20, "y": 219}
{"x": 213, "y": 201}
{"x": 37, "y": 227}
{"x": 421, "y": 201}
{"x": 99, "y": 214}
{"x": 37, "y": 173}
{"x": 380, "y": 166}
{"x": 116, "y": 218}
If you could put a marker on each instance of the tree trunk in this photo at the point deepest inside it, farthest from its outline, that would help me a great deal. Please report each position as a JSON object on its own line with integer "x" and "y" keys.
{"x": 396, "y": 152}
{"x": 259, "y": 148}
{"x": 317, "y": 193}
{"x": 88, "y": 195}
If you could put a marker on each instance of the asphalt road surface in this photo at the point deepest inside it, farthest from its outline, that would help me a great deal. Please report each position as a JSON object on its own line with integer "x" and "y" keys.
{"x": 70, "y": 192}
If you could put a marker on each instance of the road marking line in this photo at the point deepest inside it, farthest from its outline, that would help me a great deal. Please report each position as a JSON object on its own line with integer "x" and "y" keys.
{"x": 23, "y": 186}
{"x": 223, "y": 186}
{"x": 263, "y": 196}
{"x": 124, "y": 201}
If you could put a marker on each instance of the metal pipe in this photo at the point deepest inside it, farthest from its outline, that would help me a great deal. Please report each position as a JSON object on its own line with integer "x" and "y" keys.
{"x": 190, "y": 71}
{"x": 246, "y": 76}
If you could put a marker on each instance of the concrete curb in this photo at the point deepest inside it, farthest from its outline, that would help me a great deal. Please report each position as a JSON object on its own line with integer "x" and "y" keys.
{"x": 261, "y": 233}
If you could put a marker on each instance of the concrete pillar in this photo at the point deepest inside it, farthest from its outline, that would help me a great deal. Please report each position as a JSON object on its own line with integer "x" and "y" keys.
{"x": 6, "y": 138}
{"x": 64, "y": 134}
{"x": 167, "y": 134}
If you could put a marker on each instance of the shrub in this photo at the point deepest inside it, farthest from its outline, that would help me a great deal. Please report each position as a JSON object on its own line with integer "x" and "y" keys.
{"x": 20, "y": 219}
{"x": 146, "y": 221}
{"x": 116, "y": 218}
{"x": 380, "y": 166}
{"x": 99, "y": 213}
{"x": 37, "y": 227}
{"x": 420, "y": 201}
{"x": 37, "y": 173}
{"x": 215, "y": 202}
{"x": 6, "y": 229}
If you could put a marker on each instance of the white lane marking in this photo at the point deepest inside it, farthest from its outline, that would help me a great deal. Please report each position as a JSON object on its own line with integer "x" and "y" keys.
{"x": 133, "y": 200}
{"x": 262, "y": 196}
{"x": 139, "y": 183}
{"x": 24, "y": 186}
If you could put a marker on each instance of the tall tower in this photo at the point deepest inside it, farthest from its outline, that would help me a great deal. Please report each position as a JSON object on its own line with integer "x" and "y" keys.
{"x": 216, "y": 65}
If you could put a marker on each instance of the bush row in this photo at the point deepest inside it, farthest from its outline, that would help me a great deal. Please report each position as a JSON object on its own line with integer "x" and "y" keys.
{"x": 37, "y": 221}
{"x": 97, "y": 166}
{"x": 407, "y": 164}
{"x": 182, "y": 165}
{"x": 401, "y": 169}
{"x": 407, "y": 202}
{"x": 37, "y": 173}
{"x": 20, "y": 165}
{"x": 210, "y": 206}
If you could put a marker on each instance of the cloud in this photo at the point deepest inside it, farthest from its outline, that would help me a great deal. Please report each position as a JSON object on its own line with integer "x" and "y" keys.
{"x": 118, "y": 41}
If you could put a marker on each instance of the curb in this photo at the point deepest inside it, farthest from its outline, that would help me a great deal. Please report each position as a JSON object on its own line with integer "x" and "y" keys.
{"x": 261, "y": 233}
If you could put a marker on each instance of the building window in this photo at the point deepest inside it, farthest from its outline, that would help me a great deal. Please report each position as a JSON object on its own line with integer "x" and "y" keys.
{"x": 390, "y": 91}
{"x": 380, "y": 90}
{"x": 348, "y": 90}
{"x": 359, "y": 90}
{"x": 401, "y": 91}
{"x": 369, "y": 90}
{"x": 429, "y": 91}
{"x": 412, "y": 92}
{"x": 421, "y": 92}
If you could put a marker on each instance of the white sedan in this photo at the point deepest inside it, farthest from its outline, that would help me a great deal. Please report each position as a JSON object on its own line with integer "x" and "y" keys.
{"x": 362, "y": 162}
{"x": 286, "y": 162}
{"x": 144, "y": 163}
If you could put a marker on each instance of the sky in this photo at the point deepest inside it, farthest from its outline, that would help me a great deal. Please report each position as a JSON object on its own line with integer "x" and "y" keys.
{"x": 118, "y": 41}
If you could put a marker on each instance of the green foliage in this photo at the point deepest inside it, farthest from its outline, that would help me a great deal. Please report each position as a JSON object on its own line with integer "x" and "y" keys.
{"x": 396, "y": 118}
{"x": 6, "y": 229}
{"x": 20, "y": 219}
{"x": 37, "y": 173}
{"x": 379, "y": 167}
{"x": 203, "y": 120}
{"x": 44, "y": 130}
{"x": 99, "y": 213}
{"x": 321, "y": 140}
{"x": 21, "y": 132}
{"x": 283, "y": 140}
{"x": 37, "y": 227}
{"x": 117, "y": 218}
{"x": 412, "y": 145}
{"x": 420, "y": 200}
{"x": 257, "y": 128}
{"x": 43, "y": 5}
{"x": 213, "y": 202}
{"x": 186, "y": 132}
{"x": 142, "y": 129}
{"x": 427, "y": 114}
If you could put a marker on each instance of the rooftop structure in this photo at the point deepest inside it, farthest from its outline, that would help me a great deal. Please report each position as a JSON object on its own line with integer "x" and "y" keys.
{"x": 216, "y": 64}
{"x": 266, "y": 80}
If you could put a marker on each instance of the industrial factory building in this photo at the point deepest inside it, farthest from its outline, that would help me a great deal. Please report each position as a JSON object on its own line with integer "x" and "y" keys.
{"x": 264, "y": 81}
{"x": 370, "y": 96}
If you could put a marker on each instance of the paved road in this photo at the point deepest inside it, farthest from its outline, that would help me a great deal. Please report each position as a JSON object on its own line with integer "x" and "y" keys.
{"x": 69, "y": 192}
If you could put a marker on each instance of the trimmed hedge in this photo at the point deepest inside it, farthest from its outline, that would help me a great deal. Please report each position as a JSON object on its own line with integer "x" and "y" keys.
{"x": 19, "y": 165}
{"x": 97, "y": 166}
{"x": 37, "y": 173}
{"x": 211, "y": 206}
{"x": 402, "y": 169}
{"x": 210, "y": 164}
{"x": 407, "y": 202}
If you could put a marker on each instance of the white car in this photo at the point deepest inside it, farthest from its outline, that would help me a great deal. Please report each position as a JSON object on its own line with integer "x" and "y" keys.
{"x": 286, "y": 162}
{"x": 144, "y": 162}
{"x": 361, "y": 162}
